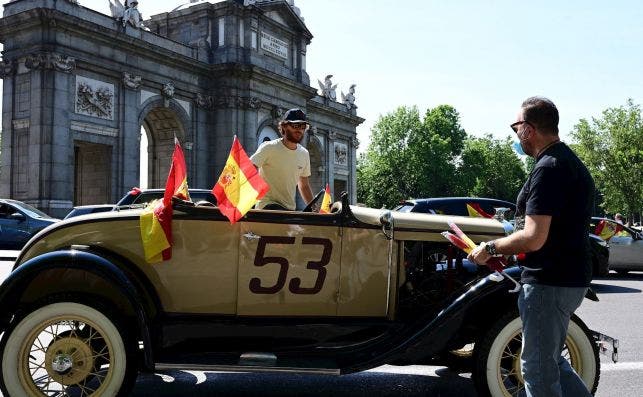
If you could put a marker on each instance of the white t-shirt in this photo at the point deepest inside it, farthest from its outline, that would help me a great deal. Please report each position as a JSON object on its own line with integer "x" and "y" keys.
{"x": 281, "y": 168}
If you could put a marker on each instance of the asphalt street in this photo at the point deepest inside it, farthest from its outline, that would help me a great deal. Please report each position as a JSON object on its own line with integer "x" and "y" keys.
{"x": 618, "y": 314}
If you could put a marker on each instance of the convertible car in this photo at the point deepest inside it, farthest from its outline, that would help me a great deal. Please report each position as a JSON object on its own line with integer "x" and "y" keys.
{"x": 83, "y": 313}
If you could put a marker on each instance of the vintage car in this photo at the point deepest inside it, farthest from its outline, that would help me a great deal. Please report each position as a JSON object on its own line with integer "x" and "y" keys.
{"x": 302, "y": 292}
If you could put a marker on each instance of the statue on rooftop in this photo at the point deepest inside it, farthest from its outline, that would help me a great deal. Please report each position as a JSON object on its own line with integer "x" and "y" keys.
{"x": 328, "y": 89}
{"x": 349, "y": 99}
{"x": 126, "y": 13}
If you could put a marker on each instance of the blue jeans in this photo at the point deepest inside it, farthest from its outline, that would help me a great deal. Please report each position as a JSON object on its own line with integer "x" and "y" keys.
{"x": 545, "y": 312}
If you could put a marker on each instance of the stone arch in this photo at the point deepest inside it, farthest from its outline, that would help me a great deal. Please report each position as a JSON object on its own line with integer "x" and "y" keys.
{"x": 161, "y": 121}
{"x": 267, "y": 131}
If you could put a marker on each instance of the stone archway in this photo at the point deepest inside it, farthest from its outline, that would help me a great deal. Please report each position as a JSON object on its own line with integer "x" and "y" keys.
{"x": 160, "y": 125}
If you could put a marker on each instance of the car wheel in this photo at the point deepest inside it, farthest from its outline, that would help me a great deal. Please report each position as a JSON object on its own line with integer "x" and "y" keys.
{"x": 66, "y": 348}
{"x": 497, "y": 357}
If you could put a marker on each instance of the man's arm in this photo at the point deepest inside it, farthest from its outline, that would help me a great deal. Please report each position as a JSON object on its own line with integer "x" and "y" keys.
{"x": 304, "y": 189}
{"x": 530, "y": 239}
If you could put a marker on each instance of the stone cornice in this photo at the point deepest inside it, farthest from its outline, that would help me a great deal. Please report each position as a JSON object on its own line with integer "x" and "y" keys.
{"x": 321, "y": 108}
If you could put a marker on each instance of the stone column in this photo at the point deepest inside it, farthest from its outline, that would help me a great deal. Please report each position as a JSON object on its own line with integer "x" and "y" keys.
{"x": 50, "y": 141}
{"x": 7, "y": 73}
{"x": 127, "y": 176}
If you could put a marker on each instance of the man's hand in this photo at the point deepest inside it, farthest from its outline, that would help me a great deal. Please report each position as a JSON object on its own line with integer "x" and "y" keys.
{"x": 479, "y": 255}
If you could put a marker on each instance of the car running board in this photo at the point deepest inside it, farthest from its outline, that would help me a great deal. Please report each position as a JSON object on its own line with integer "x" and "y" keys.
{"x": 258, "y": 362}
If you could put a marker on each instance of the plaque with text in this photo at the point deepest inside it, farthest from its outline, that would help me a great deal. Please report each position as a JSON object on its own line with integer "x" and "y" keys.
{"x": 274, "y": 46}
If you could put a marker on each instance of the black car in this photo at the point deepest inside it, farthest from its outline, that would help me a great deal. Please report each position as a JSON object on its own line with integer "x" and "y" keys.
{"x": 463, "y": 206}
{"x": 19, "y": 222}
{"x": 143, "y": 196}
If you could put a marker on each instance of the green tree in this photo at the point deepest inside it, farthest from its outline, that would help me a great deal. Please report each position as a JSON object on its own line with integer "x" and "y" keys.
{"x": 409, "y": 156}
{"x": 490, "y": 168}
{"x": 612, "y": 148}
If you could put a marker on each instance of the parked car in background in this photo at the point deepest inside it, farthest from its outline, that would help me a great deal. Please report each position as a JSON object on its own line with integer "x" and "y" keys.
{"x": 626, "y": 246}
{"x": 143, "y": 196}
{"x": 461, "y": 206}
{"x": 464, "y": 206}
{"x": 19, "y": 222}
{"x": 89, "y": 209}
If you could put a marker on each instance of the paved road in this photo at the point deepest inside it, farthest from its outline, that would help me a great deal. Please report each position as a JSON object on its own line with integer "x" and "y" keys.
{"x": 619, "y": 314}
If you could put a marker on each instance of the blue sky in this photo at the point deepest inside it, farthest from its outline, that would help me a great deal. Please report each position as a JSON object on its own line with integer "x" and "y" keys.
{"x": 481, "y": 56}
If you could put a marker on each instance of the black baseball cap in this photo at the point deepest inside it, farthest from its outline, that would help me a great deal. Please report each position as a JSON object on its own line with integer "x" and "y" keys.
{"x": 295, "y": 116}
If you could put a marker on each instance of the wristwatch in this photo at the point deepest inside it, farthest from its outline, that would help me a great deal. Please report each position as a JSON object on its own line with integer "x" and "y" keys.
{"x": 490, "y": 247}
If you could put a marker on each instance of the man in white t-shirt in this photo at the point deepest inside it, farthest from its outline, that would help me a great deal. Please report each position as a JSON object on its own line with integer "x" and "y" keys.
{"x": 284, "y": 164}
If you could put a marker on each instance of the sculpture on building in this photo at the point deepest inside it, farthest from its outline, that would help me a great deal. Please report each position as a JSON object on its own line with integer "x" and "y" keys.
{"x": 126, "y": 13}
{"x": 328, "y": 89}
{"x": 349, "y": 99}
{"x": 131, "y": 81}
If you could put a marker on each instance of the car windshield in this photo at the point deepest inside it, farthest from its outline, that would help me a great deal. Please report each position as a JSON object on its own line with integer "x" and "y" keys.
{"x": 33, "y": 212}
{"x": 404, "y": 208}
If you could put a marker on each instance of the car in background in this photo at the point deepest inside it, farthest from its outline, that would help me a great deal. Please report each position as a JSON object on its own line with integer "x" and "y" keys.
{"x": 144, "y": 196}
{"x": 461, "y": 206}
{"x": 626, "y": 246}
{"x": 19, "y": 222}
{"x": 89, "y": 209}
{"x": 503, "y": 210}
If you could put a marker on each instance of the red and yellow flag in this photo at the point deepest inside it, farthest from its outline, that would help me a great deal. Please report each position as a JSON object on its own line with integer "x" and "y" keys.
{"x": 325, "y": 205}
{"x": 476, "y": 211}
{"x": 607, "y": 230}
{"x": 239, "y": 185}
{"x": 156, "y": 218}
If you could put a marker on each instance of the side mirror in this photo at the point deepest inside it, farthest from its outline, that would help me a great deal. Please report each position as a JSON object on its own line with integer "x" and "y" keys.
{"x": 17, "y": 216}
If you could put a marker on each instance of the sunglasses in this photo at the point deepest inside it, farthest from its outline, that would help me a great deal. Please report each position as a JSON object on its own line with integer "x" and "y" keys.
{"x": 299, "y": 126}
{"x": 517, "y": 124}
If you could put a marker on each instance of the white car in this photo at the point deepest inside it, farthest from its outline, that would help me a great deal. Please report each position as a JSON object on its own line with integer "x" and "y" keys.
{"x": 626, "y": 246}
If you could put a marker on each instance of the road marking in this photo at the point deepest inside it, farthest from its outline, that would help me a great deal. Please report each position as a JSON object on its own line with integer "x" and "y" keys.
{"x": 627, "y": 366}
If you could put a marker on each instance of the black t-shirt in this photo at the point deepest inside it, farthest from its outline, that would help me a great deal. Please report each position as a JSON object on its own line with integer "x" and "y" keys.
{"x": 560, "y": 186}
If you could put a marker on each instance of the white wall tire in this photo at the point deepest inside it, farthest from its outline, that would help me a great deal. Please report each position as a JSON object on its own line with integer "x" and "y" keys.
{"x": 73, "y": 334}
{"x": 497, "y": 357}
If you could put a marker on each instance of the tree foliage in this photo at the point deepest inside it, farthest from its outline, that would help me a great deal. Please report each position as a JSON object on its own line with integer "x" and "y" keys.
{"x": 490, "y": 168}
{"x": 612, "y": 148}
{"x": 413, "y": 157}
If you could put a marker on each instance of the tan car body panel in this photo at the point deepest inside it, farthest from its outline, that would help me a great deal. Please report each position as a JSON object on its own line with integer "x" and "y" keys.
{"x": 213, "y": 263}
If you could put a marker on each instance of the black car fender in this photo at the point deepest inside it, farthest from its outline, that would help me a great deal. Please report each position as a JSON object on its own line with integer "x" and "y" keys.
{"x": 436, "y": 333}
{"x": 36, "y": 279}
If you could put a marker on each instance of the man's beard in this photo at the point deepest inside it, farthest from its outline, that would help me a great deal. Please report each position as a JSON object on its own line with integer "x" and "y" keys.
{"x": 290, "y": 136}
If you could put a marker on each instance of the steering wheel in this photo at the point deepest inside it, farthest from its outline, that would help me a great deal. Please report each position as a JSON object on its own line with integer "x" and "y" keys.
{"x": 309, "y": 207}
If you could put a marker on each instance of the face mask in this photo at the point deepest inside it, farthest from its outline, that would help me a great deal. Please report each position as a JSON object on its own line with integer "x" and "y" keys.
{"x": 517, "y": 147}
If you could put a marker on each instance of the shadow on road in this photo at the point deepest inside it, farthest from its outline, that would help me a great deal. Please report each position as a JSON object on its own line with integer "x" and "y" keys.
{"x": 613, "y": 289}
{"x": 442, "y": 382}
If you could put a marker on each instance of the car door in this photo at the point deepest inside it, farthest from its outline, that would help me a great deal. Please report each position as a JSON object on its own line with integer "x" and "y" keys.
{"x": 289, "y": 264}
{"x": 626, "y": 250}
{"x": 14, "y": 233}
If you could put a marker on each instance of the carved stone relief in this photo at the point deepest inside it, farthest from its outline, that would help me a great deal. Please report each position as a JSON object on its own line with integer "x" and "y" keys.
{"x": 204, "y": 101}
{"x": 7, "y": 68}
{"x": 50, "y": 60}
{"x": 341, "y": 153}
{"x": 94, "y": 98}
{"x": 131, "y": 81}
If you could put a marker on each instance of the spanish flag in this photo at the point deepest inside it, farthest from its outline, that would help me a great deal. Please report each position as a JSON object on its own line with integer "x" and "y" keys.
{"x": 156, "y": 218}
{"x": 476, "y": 211}
{"x": 325, "y": 205}
{"x": 239, "y": 185}
{"x": 607, "y": 230}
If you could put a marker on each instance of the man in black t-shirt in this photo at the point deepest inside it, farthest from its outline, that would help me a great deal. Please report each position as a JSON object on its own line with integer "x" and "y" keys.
{"x": 552, "y": 218}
